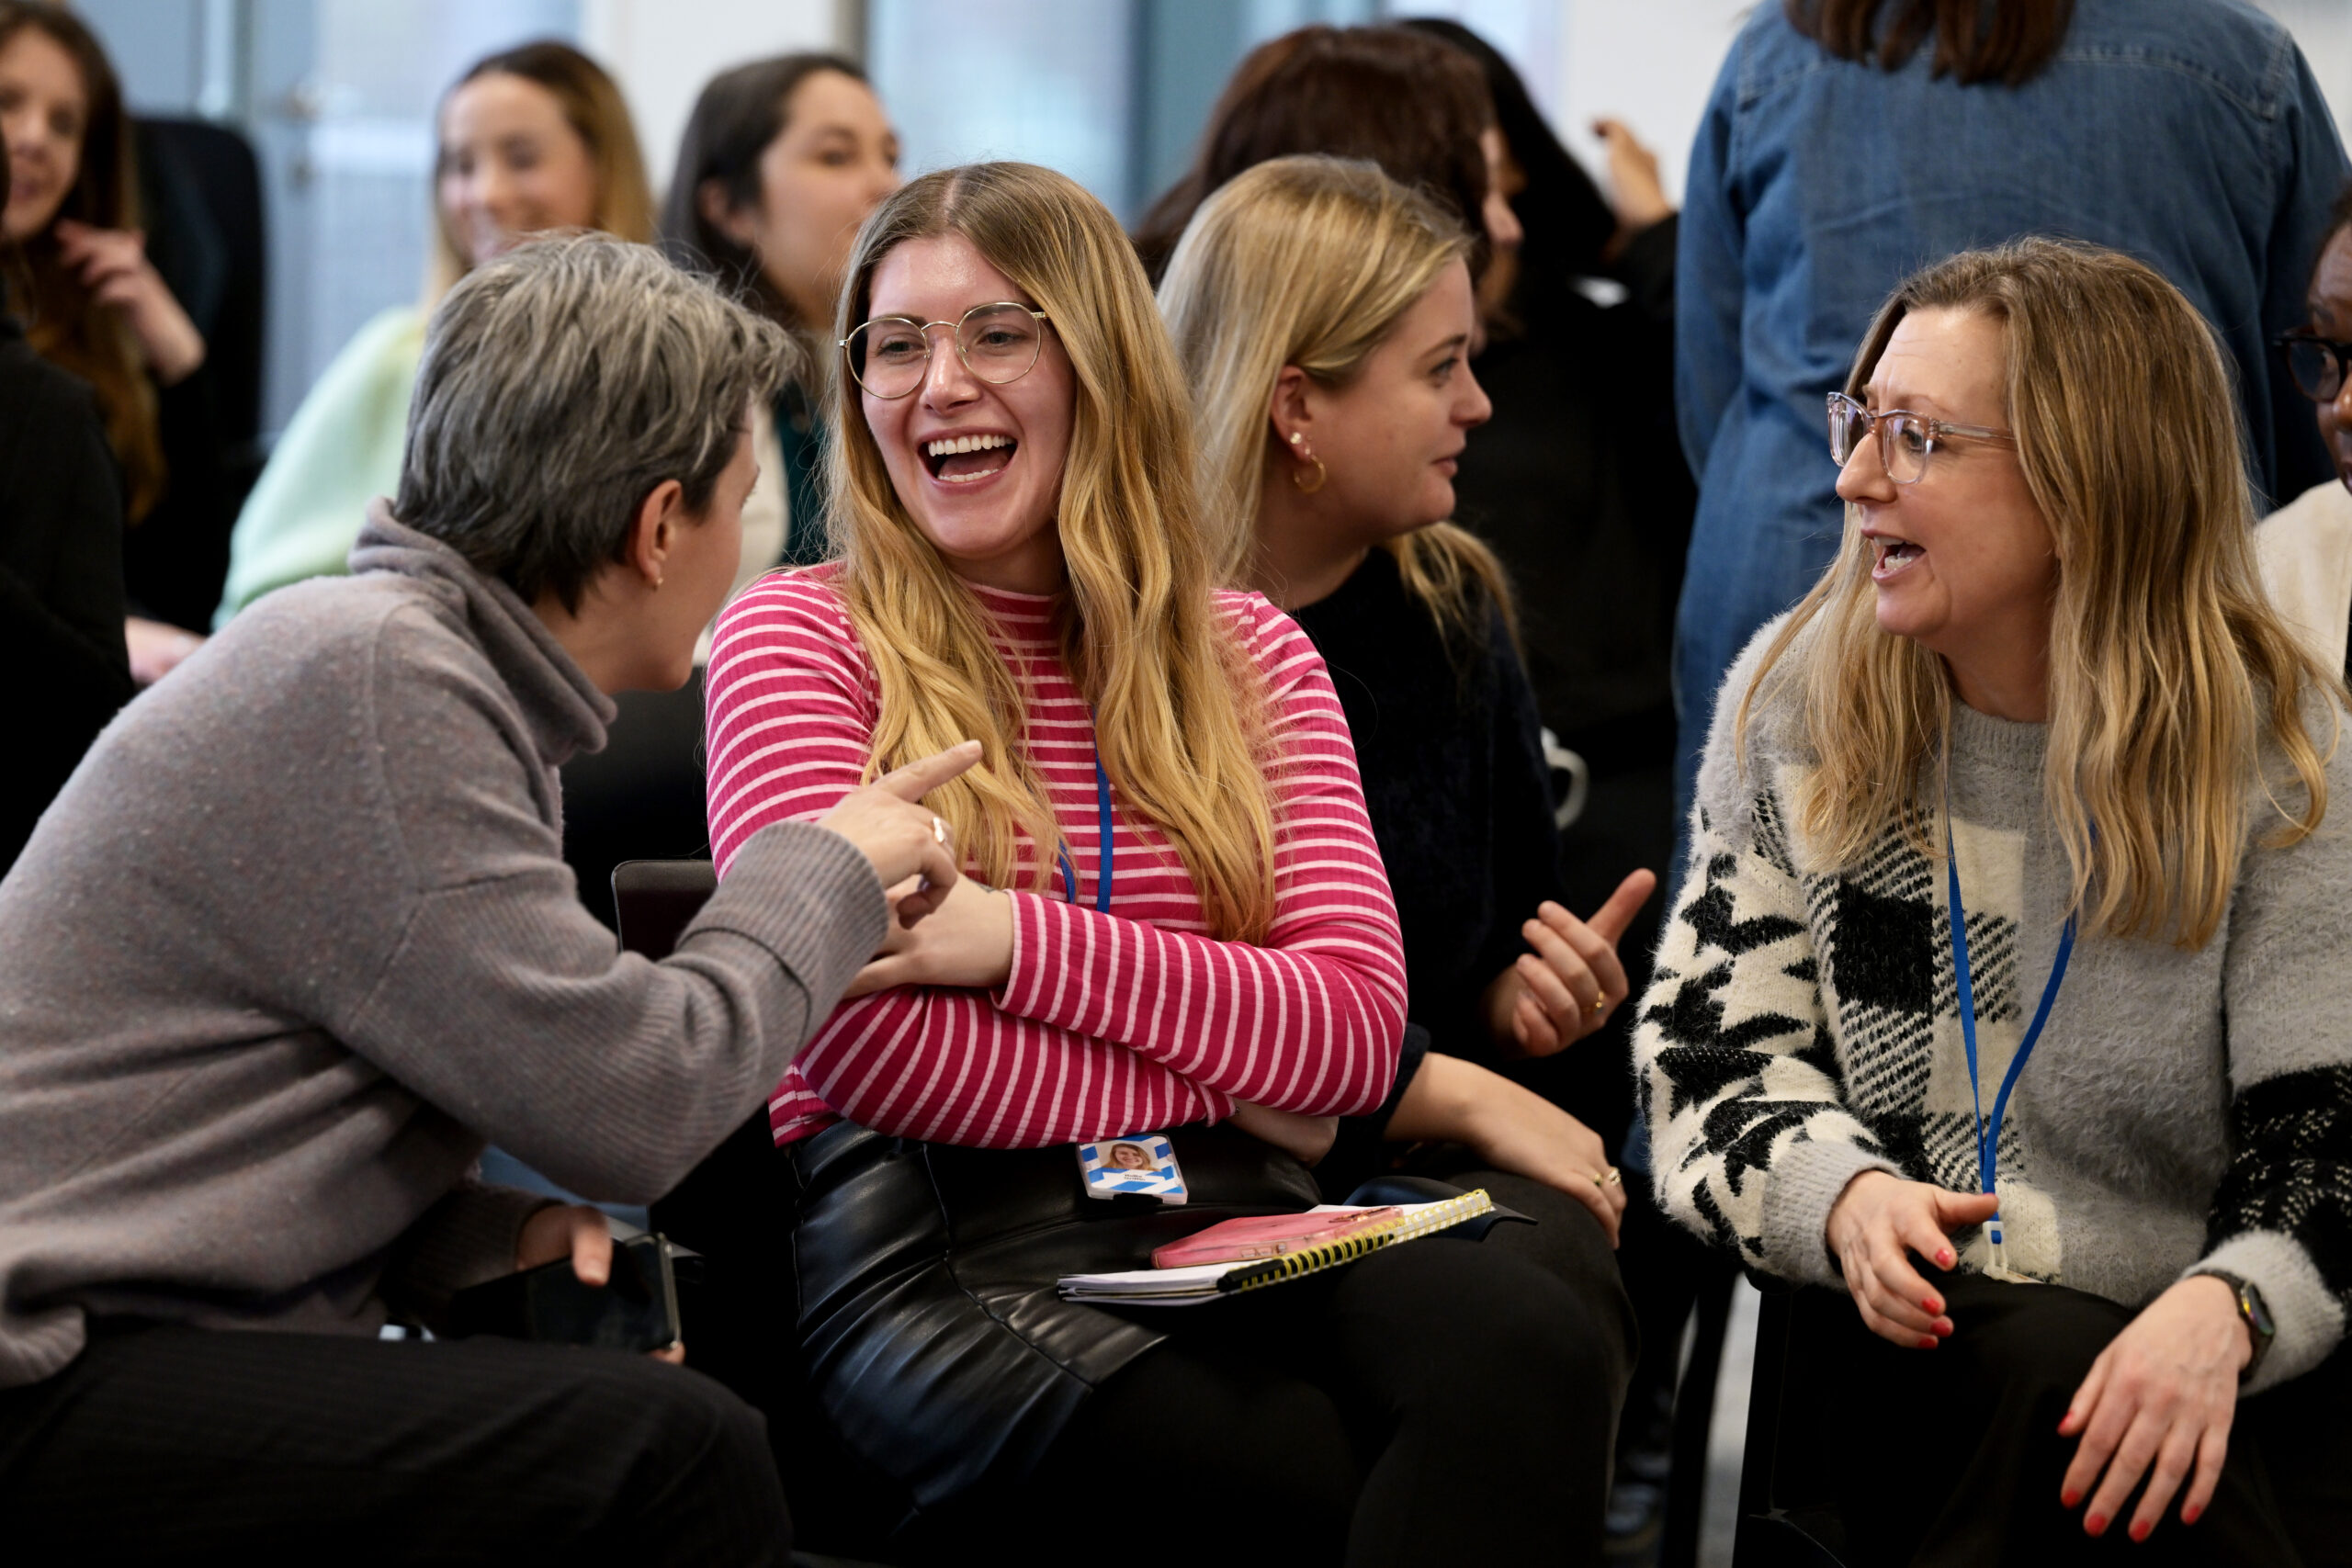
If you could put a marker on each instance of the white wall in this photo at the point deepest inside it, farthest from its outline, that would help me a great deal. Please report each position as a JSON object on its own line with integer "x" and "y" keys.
{"x": 662, "y": 53}
{"x": 1650, "y": 65}
{"x": 2323, "y": 28}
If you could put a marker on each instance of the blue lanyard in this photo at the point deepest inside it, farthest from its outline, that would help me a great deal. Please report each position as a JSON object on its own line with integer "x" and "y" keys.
{"x": 1102, "y": 837}
{"x": 1988, "y": 1136}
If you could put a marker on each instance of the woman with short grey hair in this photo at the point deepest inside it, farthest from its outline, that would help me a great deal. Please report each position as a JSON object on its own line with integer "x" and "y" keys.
{"x": 297, "y": 938}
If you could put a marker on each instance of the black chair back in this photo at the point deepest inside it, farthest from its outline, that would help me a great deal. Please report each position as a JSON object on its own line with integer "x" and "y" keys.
{"x": 736, "y": 1209}
{"x": 655, "y": 900}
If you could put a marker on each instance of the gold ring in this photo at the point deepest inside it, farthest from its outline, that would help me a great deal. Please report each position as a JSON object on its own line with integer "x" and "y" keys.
{"x": 939, "y": 831}
{"x": 1616, "y": 1177}
{"x": 1598, "y": 1007}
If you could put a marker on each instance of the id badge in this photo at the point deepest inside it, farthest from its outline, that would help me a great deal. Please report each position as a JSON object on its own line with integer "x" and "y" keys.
{"x": 1144, "y": 1162}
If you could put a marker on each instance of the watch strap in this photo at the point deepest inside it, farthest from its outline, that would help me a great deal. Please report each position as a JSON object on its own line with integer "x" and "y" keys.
{"x": 2254, "y": 1311}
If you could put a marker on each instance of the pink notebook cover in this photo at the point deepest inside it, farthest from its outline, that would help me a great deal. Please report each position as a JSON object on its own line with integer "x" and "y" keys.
{"x": 1267, "y": 1235}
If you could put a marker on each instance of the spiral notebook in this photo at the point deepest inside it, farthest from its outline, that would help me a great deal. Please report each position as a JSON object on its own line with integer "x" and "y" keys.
{"x": 1214, "y": 1281}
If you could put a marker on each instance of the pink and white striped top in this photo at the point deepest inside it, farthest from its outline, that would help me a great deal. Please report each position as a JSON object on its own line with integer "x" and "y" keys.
{"x": 1109, "y": 1023}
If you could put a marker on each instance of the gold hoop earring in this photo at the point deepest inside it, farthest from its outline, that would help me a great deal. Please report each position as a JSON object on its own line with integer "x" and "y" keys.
{"x": 1298, "y": 476}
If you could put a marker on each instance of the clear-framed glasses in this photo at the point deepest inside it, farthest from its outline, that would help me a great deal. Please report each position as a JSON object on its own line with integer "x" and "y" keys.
{"x": 2316, "y": 363}
{"x": 1905, "y": 440}
{"x": 890, "y": 354}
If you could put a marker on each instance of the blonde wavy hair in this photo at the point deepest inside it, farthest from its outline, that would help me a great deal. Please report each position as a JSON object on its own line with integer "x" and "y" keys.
{"x": 2168, "y": 670}
{"x": 1309, "y": 260}
{"x": 1180, "y": 712}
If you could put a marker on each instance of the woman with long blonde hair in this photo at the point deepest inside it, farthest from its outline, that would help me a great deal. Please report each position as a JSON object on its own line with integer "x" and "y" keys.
{"x": 2006, "y": 986}
{"x": 1324, "y": 313}
{"x": 1175, "y": 917}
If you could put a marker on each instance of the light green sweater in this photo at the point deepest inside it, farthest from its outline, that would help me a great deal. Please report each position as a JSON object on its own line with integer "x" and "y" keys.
{"x": 342, "y": 451}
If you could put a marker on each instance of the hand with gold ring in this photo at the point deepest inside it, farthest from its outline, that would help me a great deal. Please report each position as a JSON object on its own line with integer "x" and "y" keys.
{"x": 1509, "y": 1128}
{"x": 903, "y": 840}
{"x": 1565, "y": 985}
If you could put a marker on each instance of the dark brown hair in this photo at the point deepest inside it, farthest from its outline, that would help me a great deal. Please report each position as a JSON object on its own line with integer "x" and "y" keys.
{"x": 1402, "y": 99}
{"x": 2011, "y": 45}
{"x": 1568, "y": 222}
{"x": 738, "y": 115}
{"x": 67, "y": 327}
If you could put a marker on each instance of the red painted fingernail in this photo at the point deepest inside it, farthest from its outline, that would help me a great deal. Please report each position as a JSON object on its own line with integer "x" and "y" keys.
{"x": 1942, "y": 1326}
{"x": 2095, "y": 1525}
{"x": 1944, "y": 1257}
{"x": 2191, "y": 1513}
{"x": 1931, "y": 1306}
{"x": 1927, "y": 1342}
{"x": 2140, "y": 1529}
{"x": 2069, "y": 1497}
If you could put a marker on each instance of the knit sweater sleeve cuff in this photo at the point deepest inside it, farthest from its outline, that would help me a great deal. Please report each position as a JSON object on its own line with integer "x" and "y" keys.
{"x": 2309, "y": 1322}
{"x": 1806, "y": 1180}
{"x": 1024, "y": 993}
{"x": 807, "y": 896}
{"x": 466, "y": 1238}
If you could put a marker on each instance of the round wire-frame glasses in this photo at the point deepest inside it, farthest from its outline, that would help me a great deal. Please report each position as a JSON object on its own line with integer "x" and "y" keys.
{"x": 1905, "y": 440}
{"x": 999, "y": 343}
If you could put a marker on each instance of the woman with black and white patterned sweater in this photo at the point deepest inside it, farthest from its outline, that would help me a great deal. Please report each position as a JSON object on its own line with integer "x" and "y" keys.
{"x": 2040, "y": 686}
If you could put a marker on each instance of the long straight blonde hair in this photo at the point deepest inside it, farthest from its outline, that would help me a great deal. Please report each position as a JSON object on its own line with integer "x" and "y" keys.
{"x": 1180, "y": 712}
{"x": 1309, "y": 260}
{"x": 2168, "y": 670}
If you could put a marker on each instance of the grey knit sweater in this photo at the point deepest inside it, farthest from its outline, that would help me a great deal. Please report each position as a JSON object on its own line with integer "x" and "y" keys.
{"x": 297, "y": 938}
{"x": 2182, "y": 1108}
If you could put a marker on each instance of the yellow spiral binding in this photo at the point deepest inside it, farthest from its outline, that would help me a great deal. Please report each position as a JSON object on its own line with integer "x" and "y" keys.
{"x": 1403, "y": 1228}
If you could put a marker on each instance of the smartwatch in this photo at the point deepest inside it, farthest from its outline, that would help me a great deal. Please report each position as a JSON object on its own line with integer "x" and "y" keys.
{"x": 2259, "y": 1327}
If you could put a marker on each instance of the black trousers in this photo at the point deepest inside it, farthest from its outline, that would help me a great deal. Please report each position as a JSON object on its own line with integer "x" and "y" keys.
{"x": 1446, "y": 1401}
{"x": 164, "y": 1444}
{"x": 1951, "y": 1456}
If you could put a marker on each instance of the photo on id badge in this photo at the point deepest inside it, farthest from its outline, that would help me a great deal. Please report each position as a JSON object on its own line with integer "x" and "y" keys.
{"x": 1142, "y": 1162}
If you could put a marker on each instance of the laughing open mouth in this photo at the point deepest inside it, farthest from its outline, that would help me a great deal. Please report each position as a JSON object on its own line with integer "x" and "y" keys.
{"x": 960, "y": 459}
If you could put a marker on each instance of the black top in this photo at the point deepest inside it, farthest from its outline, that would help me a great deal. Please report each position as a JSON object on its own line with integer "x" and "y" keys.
{"x": 61, "y": 581}
{"x": 1453, "y": 778}
{"x": 1579, "y": 484}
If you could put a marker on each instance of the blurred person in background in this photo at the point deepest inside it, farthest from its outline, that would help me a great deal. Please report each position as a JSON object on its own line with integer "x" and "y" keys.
{"x": 532, "y": 138}
{"x": 95, "y": 305}
{"x": 2305, "y": 547}
{"x": 1406, "y": 101}
{"x": 780, "y": 160}
{"x": 61, "y": 568}
{"x": 1848, "y": 141}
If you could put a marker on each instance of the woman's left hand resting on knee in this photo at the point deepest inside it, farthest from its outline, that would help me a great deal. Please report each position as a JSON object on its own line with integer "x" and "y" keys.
{"x": 1566, "y": 986}
{"x": 584, "y": 1236}
{"x": 2163, "y": 1392}
{"x": 1508, "y": 1128}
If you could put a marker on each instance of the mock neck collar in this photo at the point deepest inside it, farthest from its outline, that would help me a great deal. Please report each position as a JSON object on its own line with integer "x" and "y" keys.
{"x": 566, "y": 712}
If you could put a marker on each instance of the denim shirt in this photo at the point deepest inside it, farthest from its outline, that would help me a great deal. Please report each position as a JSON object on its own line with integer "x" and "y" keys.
{"x": 2189, "y": 134}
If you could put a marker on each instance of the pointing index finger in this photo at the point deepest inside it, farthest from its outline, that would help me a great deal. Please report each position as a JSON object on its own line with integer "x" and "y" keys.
{"x": 924, "y": 775}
